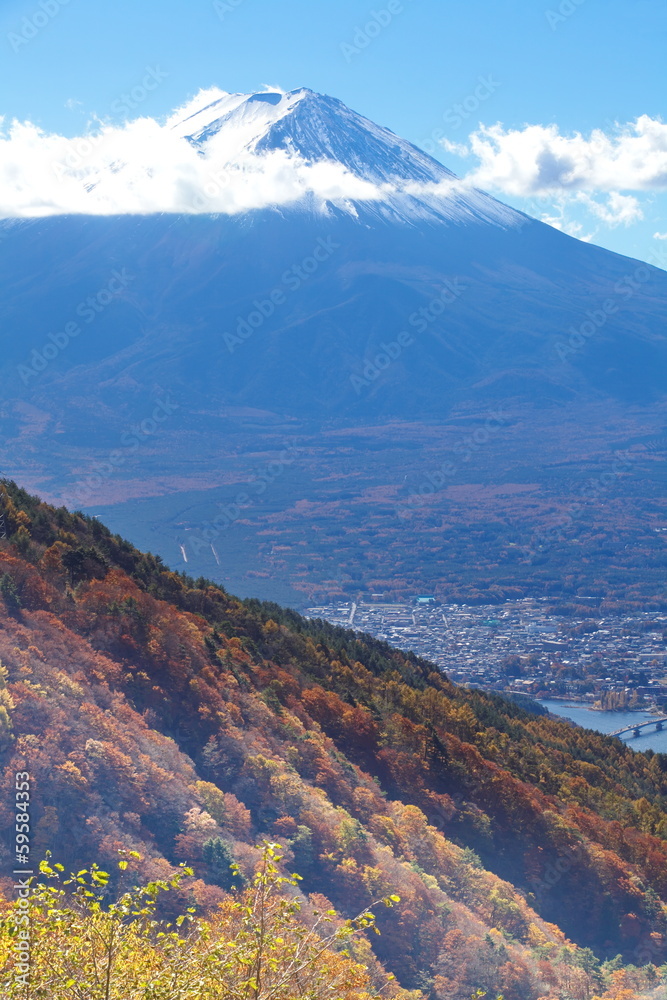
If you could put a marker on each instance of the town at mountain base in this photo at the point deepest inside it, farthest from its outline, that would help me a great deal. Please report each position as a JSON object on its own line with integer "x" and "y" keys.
{"x": 159, "y": 715}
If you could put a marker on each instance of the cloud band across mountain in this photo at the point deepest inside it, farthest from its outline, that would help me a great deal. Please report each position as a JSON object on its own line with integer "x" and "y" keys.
{"x": 142, "y": 167}
{"x": 231, "y": 153}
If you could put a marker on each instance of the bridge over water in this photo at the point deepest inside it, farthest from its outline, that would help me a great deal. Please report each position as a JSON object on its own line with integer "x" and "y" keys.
{"x": 636, "y": 729}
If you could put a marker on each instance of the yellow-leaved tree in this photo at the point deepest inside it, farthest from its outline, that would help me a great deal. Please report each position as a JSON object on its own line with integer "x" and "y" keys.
{"x": 66, "y": 941}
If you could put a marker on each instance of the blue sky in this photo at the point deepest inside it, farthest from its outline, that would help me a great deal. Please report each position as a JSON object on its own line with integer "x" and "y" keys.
{"x": 574, "y": 65}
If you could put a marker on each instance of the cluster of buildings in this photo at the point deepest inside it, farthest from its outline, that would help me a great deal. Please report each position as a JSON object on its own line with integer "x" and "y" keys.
{"x": 611, "y": 661}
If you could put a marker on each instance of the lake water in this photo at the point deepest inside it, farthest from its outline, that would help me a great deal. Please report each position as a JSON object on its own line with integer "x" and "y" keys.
{"x": 607, "y": 722}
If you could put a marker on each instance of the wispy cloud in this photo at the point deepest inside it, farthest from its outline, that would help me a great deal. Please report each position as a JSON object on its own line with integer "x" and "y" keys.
{"x": 619, "y": 209}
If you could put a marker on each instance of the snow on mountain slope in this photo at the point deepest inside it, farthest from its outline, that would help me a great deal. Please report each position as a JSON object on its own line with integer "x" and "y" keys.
{"x": 433, "y": 306}
{"x": 242, "y": 118}
{"x": 316, "y": 127}
{"x": 408, "y": 183}
{"x": 233, "y": 154}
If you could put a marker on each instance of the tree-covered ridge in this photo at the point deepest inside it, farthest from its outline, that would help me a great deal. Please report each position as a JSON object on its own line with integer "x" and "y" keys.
{"x": 159, "y": 714}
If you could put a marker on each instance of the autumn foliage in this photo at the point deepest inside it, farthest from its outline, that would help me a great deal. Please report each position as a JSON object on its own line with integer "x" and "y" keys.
{"x": 74, "y": 939}
{"x": 159, "y": 715}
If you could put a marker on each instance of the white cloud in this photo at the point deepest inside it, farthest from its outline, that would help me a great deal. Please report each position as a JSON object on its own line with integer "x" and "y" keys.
{"x": 195, "y": 104}
{"x": 456, "y": 148}
{"x": 660, "y": 236}
{"x": 562, "y": 211}
{"x": 620, "y": 209}
{"x": 143, "y": 167}
{"x": 594, "y": 173}
{"x": 539, "y": 160}
{"x": 570, "y": 226}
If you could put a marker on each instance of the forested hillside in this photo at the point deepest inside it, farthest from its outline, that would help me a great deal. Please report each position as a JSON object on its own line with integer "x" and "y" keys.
{"x": 160, "y": 715}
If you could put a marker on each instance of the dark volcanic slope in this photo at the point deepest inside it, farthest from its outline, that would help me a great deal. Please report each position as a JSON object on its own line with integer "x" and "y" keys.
{"x": 274, "y": 326}
{"x": 503, "y": 330}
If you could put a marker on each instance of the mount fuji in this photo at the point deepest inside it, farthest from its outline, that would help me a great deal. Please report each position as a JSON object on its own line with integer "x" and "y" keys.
{"x": 320, "y": 129}
{"x": 364, "y": 291}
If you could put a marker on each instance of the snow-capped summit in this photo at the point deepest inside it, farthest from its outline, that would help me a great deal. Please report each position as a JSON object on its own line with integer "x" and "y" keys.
{"x": 317, "y": 128}
{"x": 242, "y": 118}
{"x": 296, "y": 272}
